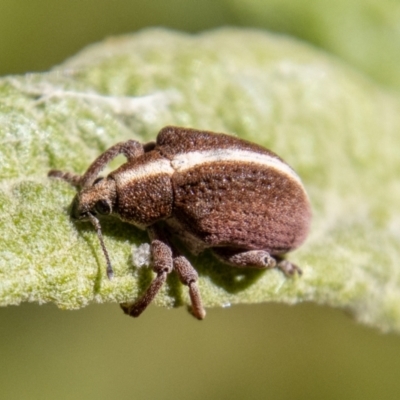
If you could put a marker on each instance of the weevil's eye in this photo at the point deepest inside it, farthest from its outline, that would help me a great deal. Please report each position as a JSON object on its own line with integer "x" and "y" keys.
{"x": 99, "y": 179}
{"x": 103, "y": 207}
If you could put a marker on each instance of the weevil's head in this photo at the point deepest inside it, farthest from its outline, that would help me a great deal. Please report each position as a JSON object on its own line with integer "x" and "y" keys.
{"x": 96, "y": 196}
{"x": 100, "y": 198}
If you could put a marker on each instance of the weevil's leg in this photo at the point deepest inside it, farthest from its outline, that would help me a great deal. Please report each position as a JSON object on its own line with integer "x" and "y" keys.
{"x": 187, "y": 274}
{"x": 130, "y": 149}
{"x": 162, "y": 266}
{"x": 288, "y": 268}
{"x": 71, "y": 178}
{"x": 256, "y": 259}
{"x": 189, "y": 277}
{"x": 250, "y": 258}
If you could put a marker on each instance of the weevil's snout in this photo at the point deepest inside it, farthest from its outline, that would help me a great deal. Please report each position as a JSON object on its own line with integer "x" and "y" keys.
{"x": 97, "y": 199}
{"x": 80, "y": 210}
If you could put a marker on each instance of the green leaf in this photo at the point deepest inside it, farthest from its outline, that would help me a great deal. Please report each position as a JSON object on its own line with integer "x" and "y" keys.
{"x": 338, "y": 130}
{"x": 365, "y": 33}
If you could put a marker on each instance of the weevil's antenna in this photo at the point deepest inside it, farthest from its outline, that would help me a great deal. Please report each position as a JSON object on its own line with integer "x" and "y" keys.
{"x": 73, "y": 179}
{"x": 97, "y": 226}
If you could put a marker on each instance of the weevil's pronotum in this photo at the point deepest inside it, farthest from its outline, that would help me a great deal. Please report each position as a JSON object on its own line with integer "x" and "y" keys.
{"x": 210, "y": 190}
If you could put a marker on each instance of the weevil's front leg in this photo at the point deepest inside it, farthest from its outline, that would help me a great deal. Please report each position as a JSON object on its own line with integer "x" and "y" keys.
{"x": 166, "y": 257}
{"x": 255, "y": 259}
{"x": 130, "y": 149}
{"x": 187, "y": 274}
{"x": 162, "y": 265}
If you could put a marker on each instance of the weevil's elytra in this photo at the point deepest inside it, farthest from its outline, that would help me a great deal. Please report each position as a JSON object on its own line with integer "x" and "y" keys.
{"x": 211, "y": 190}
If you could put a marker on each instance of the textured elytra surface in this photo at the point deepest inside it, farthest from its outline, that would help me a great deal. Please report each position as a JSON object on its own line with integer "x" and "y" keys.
{"x": 233, "y": 193}
{"x": 238, "y": 205}
{"x": 338, "y": 130}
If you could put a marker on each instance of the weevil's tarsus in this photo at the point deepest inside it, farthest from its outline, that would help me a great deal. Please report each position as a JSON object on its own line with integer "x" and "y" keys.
{"x": 97, "y": 226}
{"x": 71, "y": 178}
{"x": 288, "y": 268}
{"x": 135, "y": 309}
{"x": 188, "y": 276}
{"x": 197, "y": 309}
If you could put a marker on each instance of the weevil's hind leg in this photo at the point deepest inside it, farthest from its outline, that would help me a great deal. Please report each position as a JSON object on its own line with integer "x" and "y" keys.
{"x": 189, "y": 277}
{"x": 288, "y": 268}
{"x": 162, "y": 266}
{"x": 256, "y": 259}
{"x": 242, "y": 259}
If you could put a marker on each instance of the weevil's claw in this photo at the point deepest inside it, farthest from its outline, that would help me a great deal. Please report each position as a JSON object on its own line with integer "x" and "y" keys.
{"x": 125, "y": 308}
{"x": 288, "y": 268}
{"x": 131, "y": 310}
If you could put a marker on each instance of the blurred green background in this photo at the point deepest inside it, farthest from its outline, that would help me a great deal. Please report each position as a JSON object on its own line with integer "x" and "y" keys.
{"x": 245, "y": 352}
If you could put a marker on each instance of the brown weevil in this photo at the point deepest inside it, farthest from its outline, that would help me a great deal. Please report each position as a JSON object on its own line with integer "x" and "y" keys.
{"x": 210, "y": 190}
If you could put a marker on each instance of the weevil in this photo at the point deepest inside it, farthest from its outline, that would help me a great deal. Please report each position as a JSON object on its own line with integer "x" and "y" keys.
{"x": 210, "y": 190}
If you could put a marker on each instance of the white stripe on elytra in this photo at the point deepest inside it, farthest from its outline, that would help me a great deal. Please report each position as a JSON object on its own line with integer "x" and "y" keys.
{"x": 184, "y": 161}
{"x": 152, "y": 168}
